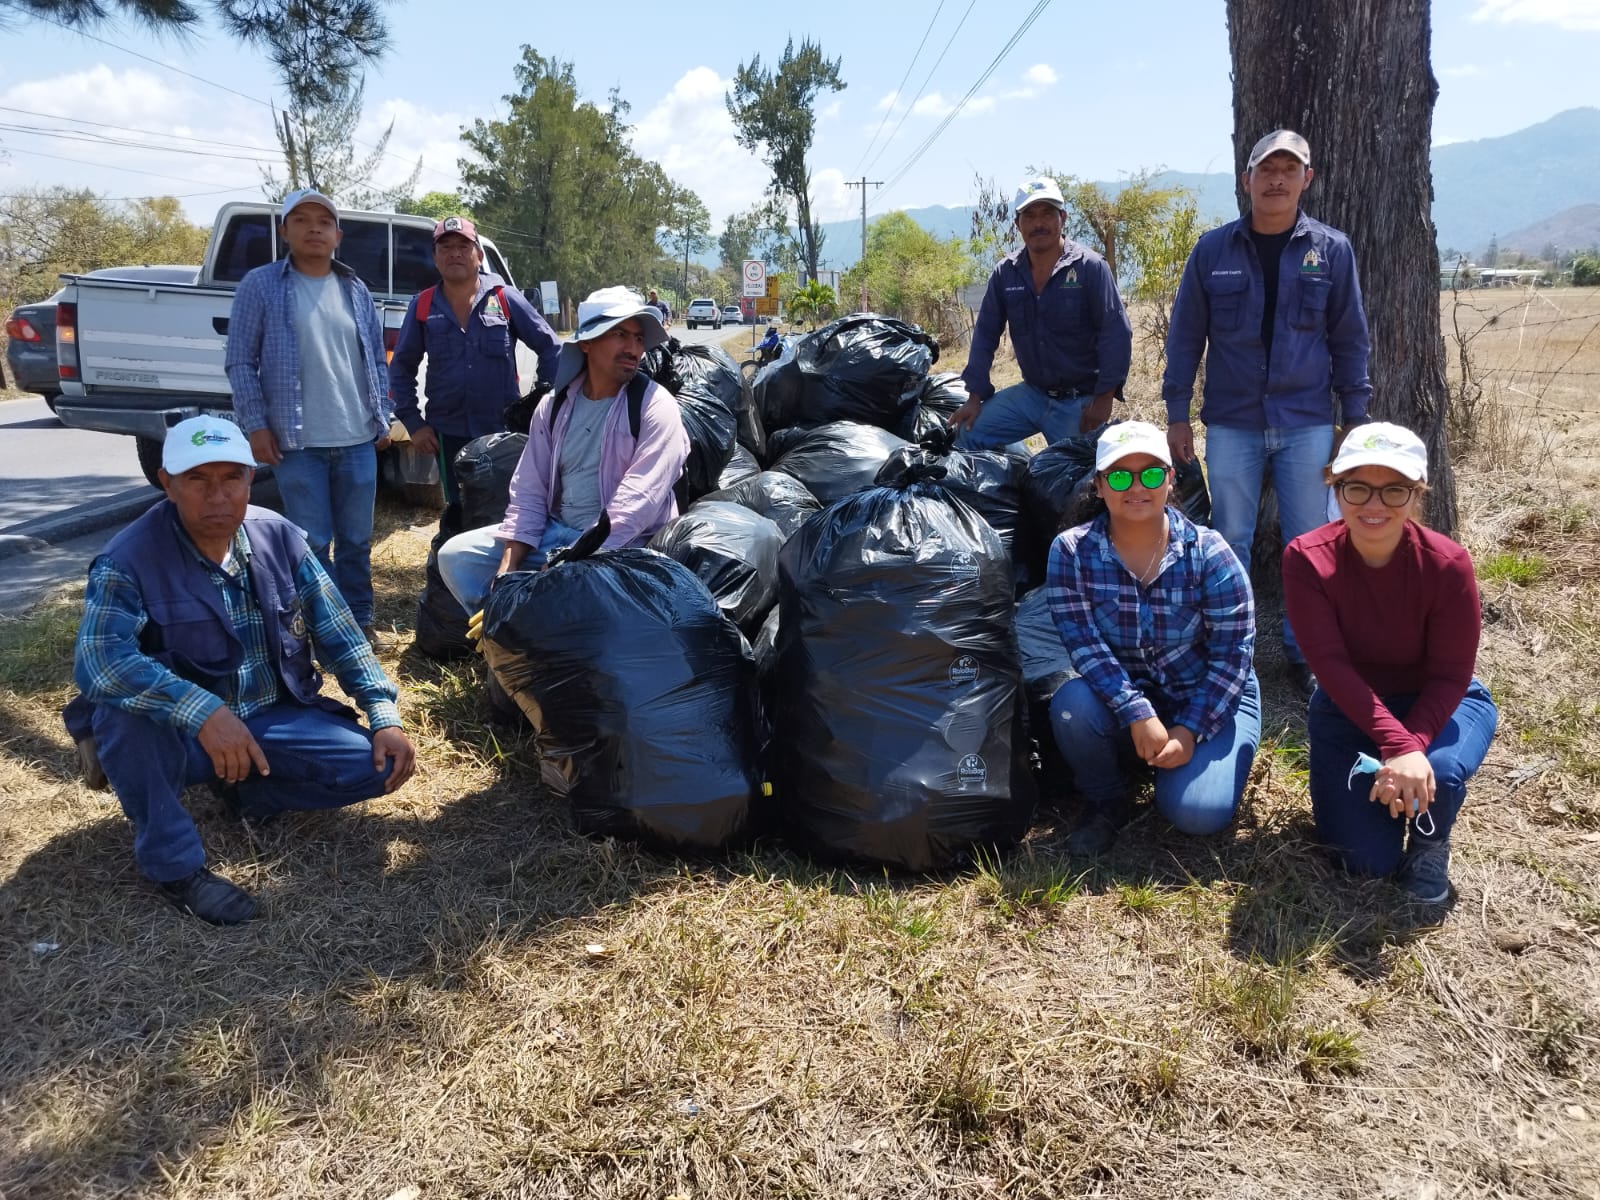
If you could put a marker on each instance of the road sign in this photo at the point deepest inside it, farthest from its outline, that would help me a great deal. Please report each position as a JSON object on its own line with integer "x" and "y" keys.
{"x": 551, "y": 298}
{"x": 766, "y": 306}
{"x": 755, "y": 277}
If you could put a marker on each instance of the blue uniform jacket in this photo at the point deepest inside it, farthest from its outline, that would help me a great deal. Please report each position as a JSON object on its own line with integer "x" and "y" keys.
{"x": 1073, "y": 336}
{"x": 1319, "y": 332}
{"x": 472, "y": 372}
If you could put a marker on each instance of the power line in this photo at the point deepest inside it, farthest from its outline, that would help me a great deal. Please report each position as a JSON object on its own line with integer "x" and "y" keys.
{"x": 96, "y": 139}
{"x": 931, "y": 71}
{"x": 905, "y": 167}
{"x": 27, "y": 112}
{"x": 130, "y": 170}
{"x": 900, "y": 87}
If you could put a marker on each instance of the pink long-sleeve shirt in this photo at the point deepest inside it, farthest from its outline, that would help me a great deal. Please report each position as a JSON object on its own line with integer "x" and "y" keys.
{"x": 636, "y": 476}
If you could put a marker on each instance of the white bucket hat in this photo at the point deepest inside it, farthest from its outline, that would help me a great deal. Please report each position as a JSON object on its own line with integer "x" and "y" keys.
{"x": 601, "y": 312}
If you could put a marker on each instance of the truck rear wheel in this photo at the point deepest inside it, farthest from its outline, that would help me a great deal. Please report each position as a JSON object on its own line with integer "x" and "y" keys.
{"x": 149, "y": 459}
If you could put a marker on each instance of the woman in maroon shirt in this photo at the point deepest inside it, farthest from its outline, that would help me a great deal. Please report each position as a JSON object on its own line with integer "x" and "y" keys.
{"x": 1387, "y": 613}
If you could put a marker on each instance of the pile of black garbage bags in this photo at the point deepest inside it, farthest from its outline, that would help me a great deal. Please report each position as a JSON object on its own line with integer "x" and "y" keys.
{"x": 841, "y": 638}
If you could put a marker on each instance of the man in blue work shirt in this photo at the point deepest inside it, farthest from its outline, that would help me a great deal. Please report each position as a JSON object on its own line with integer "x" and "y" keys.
{"x": 1274, "y": 303}
{"x": 468, "y": 326}
{"x": 310, "y": 387}
{"x": 194, "y": 664}
{"x": 1070, "y": 332}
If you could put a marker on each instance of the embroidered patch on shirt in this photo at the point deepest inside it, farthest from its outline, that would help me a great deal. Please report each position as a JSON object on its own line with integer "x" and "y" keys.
{"x": 1071, "y": 278}
{"x": 1312, "y": 263}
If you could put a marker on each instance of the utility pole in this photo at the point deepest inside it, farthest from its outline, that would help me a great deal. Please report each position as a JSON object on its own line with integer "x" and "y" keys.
{"x": 862, "y": 184}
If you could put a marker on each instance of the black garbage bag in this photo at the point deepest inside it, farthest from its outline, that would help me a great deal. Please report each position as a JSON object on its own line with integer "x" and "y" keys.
{"x": 441, "y": 631}
{"x": 835, "y": 460}
{"x": 1189, "y": 492}
{"x": 733, "y": 551}
{"x": 710, "y": 390}
{"x": 484, "y": 467}
{"x": 988, "y": 480}
{"x": 864, "y": 367}
{"x": 899, "y": 733}
{"x": 741, "y": 466}
{"x": 780, "y": 498}
{"x": 1046, "y": 665}
{"x": 941, "y": 395}
{"x": 1051, "y": 497}
{"x": 642, "y": 693}
{"x": 776, "y": 393}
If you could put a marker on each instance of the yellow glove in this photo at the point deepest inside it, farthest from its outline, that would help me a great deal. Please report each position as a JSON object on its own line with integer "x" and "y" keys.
{"x": 475, "y": 630}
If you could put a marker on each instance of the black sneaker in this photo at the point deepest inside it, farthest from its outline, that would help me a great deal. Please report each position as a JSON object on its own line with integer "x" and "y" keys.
{"x": 1099, "y": 831}
{"x": 211, "y": 898}
{"x": 1424, "y": 873}
{"x": 1300, "y": 678}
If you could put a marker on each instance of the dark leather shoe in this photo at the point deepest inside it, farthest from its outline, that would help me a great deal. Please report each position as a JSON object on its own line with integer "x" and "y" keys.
{"x": 1300, "y": 678}
{"x": 1099, "y": 831}
{"x": 211, "y": 898}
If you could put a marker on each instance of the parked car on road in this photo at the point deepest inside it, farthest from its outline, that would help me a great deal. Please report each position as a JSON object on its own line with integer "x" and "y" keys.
{"x": 31, "y": 331}
{"x": 731, "y": 315}
{"x": 704, "y": 312}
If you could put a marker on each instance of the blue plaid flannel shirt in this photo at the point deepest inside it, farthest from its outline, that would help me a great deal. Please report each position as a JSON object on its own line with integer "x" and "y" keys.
{"x": 1179, "y": 647}
{"x": 263, "y": 362}
{"x": 111, "y": 668}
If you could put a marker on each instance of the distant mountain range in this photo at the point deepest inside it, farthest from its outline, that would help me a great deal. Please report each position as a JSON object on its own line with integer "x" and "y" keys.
{"x": 1528, "y": 189}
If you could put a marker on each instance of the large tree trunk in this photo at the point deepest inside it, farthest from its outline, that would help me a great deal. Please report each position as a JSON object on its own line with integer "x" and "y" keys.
{"x": 1354, "y": 77}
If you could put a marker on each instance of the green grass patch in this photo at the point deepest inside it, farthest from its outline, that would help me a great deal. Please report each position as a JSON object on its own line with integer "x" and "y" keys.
{"x": 1509, "y": 566}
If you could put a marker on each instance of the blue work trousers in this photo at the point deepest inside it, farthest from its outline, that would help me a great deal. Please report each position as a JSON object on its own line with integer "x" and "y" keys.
{"x": 1199, "y": 797}
{"x": 1360, "y": 831}
{"x": 329, "y": 492}
{"x": 318, "y": 759}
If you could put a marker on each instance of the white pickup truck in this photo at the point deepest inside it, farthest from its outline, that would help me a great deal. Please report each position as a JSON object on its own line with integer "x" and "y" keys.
{"x": 138, "y": 356}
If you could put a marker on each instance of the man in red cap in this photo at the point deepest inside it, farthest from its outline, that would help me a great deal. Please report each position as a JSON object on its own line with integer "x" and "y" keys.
{"x": 468, "y": 326}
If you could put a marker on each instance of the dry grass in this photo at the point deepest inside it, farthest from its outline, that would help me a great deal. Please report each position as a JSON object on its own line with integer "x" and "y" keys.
{"x": 423, "y": 1006}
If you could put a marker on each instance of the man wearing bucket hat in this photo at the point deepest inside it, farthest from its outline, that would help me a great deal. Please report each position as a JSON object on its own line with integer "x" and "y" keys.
{"x": 1070, "y": 332}
{"x": 606, "y": 439}
{"x": 310, "y": 382}
{"x": 1273, "y": 302}
{"x": 194, "y": 665}
{"x": 468, "y": 326}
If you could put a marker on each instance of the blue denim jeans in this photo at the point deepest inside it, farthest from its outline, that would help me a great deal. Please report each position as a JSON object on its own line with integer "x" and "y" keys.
{"x": 329, "y": 492}
{"x": 318, "y": 759}
{"x": 1021, "y": 411}
{"x": 468, "y": 561}
{"x": 1236, "y": 462}
{"x": 1199, "y": 797}
{"x": 1362, "y": 833}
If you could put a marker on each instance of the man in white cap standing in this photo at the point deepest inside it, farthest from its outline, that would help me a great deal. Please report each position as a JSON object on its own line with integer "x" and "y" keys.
{"x": 1273, "y": 302}
{"x": 310, "y": 384}
{"x": 194, "y": 665}
{"x": 606, "y": 439}
{"x": 1070, "y": 332}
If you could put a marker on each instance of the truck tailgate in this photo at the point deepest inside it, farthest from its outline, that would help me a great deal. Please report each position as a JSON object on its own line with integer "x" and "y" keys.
{"x": 161, "y": 338}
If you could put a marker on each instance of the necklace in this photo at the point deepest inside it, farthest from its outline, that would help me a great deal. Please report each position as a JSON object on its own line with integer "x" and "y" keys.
{"x": 1143, "y": 577}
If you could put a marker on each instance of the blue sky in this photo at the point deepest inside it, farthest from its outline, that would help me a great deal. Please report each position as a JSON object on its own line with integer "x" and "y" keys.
{"x": 1099, "y": 90}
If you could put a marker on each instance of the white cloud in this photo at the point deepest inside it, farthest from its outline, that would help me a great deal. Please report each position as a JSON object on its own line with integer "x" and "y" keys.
{"x": 932, "y": 105}
{"x": 888, "y": 102}
{"x": 1041, "y": 74}
{"x": 435, "y": 137}
{"x": 831, "y": 200}
{"x": 978, "y": 105}
{"x": 1564, "y": 14}
{"x": 123, "y": 162}
{"x": 1464, "y": 71}
{"x": 690, "y": 134}
{"x": 830, "y": 111}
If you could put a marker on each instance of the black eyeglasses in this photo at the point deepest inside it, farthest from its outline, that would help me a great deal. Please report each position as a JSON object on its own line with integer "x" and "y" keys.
{"x": 1150, "y": 478}
{"x": 1393, "y": 495}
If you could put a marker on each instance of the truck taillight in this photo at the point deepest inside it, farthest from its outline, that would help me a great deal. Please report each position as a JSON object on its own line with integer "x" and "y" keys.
{"x": 67, "y": 339}
{"x": 19, "y": 330}
{"x": 391, "y": 339}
